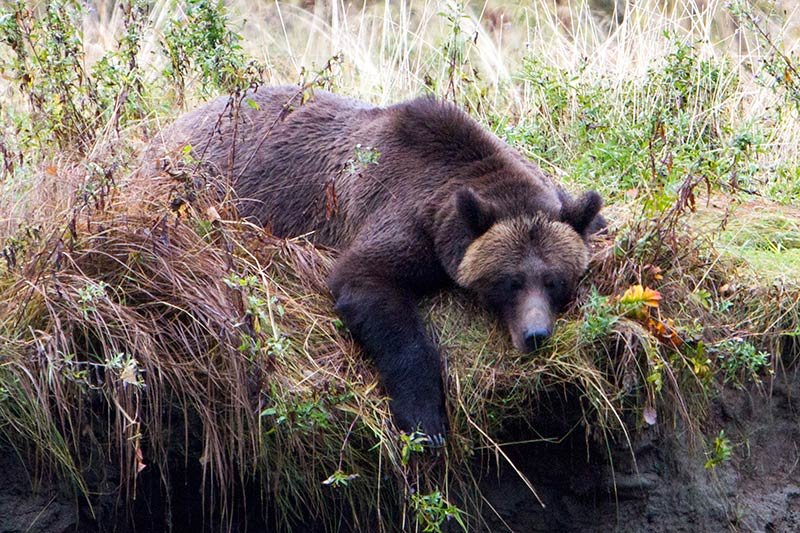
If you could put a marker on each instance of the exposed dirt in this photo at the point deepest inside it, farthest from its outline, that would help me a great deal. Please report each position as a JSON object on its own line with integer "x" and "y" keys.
{"x": 666, "y": 487}
{"x": 24, "y": 509}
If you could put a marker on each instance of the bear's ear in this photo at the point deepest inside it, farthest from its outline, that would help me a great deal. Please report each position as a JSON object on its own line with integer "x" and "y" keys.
{"x": 476, "y": 213}
{"x": 584, "y": 214}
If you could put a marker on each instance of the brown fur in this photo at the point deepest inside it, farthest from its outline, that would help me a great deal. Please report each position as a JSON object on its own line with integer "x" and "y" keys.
{"x": 447, "y": 201}
{"x": 428, "y": 150}
{"x": 504, "y": 247}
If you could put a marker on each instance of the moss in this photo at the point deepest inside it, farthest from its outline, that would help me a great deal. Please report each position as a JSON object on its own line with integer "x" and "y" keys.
{"x": 764, "y": 236}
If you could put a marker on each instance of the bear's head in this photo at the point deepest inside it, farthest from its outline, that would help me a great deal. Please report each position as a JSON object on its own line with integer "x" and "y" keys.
{"x": 526, "y": 268}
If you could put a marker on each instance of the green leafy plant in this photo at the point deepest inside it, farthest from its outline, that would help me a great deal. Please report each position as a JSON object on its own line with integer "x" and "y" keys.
{"x": 433, "y": 511}
{"x": 720, "y": 453}
{"x": 599, "y": 317}
{"x": 303, "y": 415}
{"x": 202, "y": 43}
{"x": 411, "y": 444}
{"x": 89, "y": 295}
{"x": 740, "y": 360}
{"x": 340, "y": 479}
{"x": 126, "y": 368}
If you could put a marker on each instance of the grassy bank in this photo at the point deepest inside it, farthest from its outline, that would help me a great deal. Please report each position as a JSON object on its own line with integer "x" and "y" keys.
{"x": 144, "y": 326}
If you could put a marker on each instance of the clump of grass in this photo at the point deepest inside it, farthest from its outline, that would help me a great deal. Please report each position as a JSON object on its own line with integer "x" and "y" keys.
{"x": 159, "y": 314}
{"x": 764, "y": 236}
{"x": 173, "y": 314}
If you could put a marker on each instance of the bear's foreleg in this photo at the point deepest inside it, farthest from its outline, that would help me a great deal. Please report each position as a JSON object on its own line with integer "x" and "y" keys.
{"x": 384, "y": 319}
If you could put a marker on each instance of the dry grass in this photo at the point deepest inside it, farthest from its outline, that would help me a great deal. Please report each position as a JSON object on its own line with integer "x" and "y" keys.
{"x": 140, "y": 331}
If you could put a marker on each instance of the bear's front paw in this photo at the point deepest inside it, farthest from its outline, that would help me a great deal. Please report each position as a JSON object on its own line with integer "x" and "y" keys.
{"x": 414, "y": 416}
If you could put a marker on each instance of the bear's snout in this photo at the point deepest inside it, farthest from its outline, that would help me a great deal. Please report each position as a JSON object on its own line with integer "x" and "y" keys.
{"x": 535, "y": 338}
{"x": 532, "y": 322}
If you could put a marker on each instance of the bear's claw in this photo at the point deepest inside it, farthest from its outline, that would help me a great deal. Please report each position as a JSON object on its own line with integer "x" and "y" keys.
{"x": 436, "y": 441}
{"x": 428, "y": 422}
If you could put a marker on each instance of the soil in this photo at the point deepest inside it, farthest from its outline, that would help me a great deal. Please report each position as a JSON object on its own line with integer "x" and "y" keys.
{"x": 23, "y": 508}
{"x": 664, "y": 486}
{"x": 661, "y": 485}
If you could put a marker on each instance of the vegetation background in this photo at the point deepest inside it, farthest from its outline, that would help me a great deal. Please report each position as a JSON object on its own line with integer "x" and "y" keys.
{"x": 151, "y": 341}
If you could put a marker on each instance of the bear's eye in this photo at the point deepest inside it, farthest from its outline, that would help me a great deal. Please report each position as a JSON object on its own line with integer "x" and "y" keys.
{"x": 503, "y": 290}
{"x": 512, "y": 283}
{"x": 557, "y": 291}
{"x": 555, "y": 284}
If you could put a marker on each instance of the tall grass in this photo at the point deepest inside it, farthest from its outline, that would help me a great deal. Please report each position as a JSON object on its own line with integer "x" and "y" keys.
{"x": 144, "y": 324}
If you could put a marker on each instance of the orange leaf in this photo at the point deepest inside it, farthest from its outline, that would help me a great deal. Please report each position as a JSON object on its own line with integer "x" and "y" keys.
{"x": 651, "y": 297}
{"x": 664, "y": 332}
{"x": 139, "y": 460}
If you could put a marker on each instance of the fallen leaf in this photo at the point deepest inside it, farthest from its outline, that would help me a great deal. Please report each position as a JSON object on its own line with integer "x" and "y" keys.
{"x": 650, "y": 415}
{"x": 140, "y": 465}
{"x": 665, "y": 332}
{"x": 129, "y": 375}
{"x": 212, "y": 214}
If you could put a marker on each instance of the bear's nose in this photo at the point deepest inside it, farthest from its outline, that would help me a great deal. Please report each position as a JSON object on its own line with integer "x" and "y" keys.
{"x": 535, "y": 338}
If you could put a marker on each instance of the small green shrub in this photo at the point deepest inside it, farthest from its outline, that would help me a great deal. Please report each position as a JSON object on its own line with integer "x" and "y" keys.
{"x": 433, "y": 511}
{"x": 201, "y": 43}
{"x": 739, "y": 360}
{"x": 720, "y": 453}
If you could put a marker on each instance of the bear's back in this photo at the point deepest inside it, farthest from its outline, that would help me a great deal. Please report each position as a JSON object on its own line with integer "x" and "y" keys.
{"x": 284, "y": 156}
{"x": 297, "y": 170}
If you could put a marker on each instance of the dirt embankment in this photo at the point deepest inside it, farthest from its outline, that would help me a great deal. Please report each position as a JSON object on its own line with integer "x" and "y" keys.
{"x": 667, "y": 488}
{"x": 662, "y": 486}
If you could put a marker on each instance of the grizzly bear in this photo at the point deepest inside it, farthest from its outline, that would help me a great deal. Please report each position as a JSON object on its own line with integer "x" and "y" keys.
{"x": 415, "y": 196}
